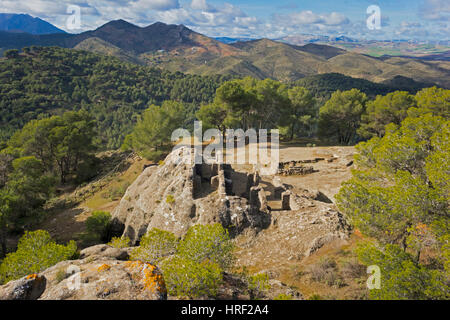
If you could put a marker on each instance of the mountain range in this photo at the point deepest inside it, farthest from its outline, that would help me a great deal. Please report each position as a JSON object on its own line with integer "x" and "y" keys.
{"x": 26, "y": 23}
{"x": 178, "y": 48}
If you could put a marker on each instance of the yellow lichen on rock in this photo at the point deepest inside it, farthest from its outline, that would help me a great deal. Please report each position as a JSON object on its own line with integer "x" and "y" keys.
{"x": 151, "y": 279}
{"x": 104, "y": 267}
{"x": 32, "y": 276}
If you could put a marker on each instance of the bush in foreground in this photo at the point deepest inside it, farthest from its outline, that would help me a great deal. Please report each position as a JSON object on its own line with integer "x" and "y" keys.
{"x": 208, "y": 242}
{"x": 119, "y": 243}
{"x": 187, "y": 278}
{"x": 36, "y": 252}
{"x": 193, "y": 267}
{"x": 155, "y": 245}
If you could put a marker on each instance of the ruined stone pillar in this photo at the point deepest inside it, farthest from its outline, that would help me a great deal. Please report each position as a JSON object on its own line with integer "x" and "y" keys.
{"x": 263, "y": 207}
{"x": 256, "y": 178}
{"x": 215, "y": 183}
{"x": 258, "y": 200}
{"x": 221, "y": 189}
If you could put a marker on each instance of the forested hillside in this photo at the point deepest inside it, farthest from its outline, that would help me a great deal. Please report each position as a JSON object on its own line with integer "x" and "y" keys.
{"x": 177, "y": 48}
{"x": 323, "y": 85}
{"x": 50, "y": 81}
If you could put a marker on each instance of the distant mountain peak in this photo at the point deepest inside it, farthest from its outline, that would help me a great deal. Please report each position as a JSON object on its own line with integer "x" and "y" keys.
{"x": 164, "y": 26}
{"x": 119, "y": 24}
{"x": 19, "y": 22}
{"x": 157, "y": 24}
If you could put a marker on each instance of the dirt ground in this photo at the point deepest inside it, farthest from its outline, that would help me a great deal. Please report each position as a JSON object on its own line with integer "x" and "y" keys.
{"x": 329, "y": 176}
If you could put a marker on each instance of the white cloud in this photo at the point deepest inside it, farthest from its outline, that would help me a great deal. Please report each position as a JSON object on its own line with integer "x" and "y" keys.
{"x": 195, "y": 13}
{"x": 201, "y": 5}
{"x": 230, "y": 20}
{"x": 160, "y": 5}
{"x": 227, "y": 19}
{"x": 435, "y": 10}
{"x": 307, "y": 17}
{"x": 335, "y": 18}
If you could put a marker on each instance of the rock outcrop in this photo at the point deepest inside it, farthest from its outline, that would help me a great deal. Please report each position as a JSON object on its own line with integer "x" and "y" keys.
{"x": 98, "y": 276}
{"x": 178, "y": 194}
{"x": 30, "y": 287}
{"x": 306, "y": 222}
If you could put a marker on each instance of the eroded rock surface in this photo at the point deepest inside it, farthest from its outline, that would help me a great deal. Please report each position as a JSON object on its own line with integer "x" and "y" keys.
{"x": 177, "y": 194}
{"x": 30, "y": 287}
{"x": 98, "y": 276}
{"x": 305, "y": 223}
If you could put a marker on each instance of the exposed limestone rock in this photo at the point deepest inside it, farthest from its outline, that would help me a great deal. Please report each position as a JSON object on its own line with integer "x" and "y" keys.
{"x": 105, "y": 279}
{"x": 278, "y": 288}
{"x": 293, "y": 234}
{"x": 104, "y": 251}
{"x": 317, "y": 195}
{"x": 96, "y": 277}
{"x": 178, "y": 194}
{"x": 28, "y": 288}
{"x": 319, "y": 242}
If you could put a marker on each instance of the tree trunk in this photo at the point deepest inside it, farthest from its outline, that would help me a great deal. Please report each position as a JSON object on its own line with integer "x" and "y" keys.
{"x": 418, "y": 255}
{"x": 292, "y": 132}
{"x": 3, "y": 242}
{"x": 63, "y": 173}
{"x": 404, "y": 245}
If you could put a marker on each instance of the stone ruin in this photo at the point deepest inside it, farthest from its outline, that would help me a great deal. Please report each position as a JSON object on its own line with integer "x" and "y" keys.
{"x": 291, "y": 168}
{"x": 177, "y": 194}
{"x": 298, "y": 168}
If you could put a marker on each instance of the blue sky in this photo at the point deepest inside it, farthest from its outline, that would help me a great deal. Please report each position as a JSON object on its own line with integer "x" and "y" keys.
{"x": 400, "y": 19}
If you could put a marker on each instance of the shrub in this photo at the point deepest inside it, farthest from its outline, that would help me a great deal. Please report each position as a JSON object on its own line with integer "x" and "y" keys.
{"x": 154, "y": 246}
{"x": 257, "y": 284}
{"x": 119, "y": 243}
{"x": 170, "y": 199}
{"x": 188, "y": 278}
{"x": 118, "y": 192}
{"x": 35, "y": 252}
{"x": 326, "y": 271}
{"x": 353, "y": 269}
{"x": 61, "y": 275}
{"x": 11, "y": 54}
{"x": 208, "y": 242}
{"x": 283, "y": 296}
{"x": 319, "y": 270}
{"x": 402, "y": 278}
{"x": 98, "y": 225}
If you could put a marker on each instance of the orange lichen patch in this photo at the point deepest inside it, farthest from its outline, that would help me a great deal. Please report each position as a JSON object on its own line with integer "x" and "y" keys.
{"x": 32, "y": 276}
{"x": 103, "y": 267}
{"x": 358, "y": 233}
{"x": 153, "y": 280}
{"x": 150, "y": 277}
{"x": 422, "y": 229}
